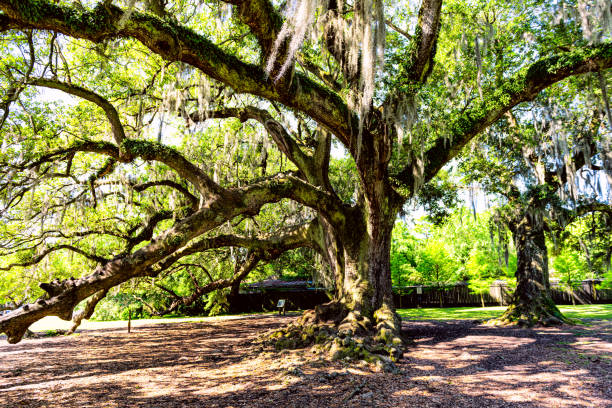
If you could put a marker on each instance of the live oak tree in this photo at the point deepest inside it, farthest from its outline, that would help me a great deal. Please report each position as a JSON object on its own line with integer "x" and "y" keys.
{"x": 403, "y": 89}
{"x": 558, "y": 174}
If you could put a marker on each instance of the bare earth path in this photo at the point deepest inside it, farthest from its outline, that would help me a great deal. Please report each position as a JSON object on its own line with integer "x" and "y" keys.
{"x": 212, "y": 364}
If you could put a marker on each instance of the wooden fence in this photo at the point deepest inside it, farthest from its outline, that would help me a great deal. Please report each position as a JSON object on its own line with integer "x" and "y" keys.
{"x": 499, "y": 294}
{"x": 455, "y": 295}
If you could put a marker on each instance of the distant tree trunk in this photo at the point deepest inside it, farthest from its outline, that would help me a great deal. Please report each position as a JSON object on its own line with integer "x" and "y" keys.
{"x": 531, "y": 303}
{"x": 482, "y": 300}
{"x": 233, "y": 296}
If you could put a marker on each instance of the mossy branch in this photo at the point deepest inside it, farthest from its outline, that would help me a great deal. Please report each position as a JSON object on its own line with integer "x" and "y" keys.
{"x": 464, "y": 125}
{"x": 175, "y": 42}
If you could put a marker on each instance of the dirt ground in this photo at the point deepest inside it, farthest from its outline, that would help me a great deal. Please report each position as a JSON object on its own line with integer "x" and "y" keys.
{"x": 213, "y": 364}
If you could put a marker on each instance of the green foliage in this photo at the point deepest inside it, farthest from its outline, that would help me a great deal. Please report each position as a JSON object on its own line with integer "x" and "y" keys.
{"x": 435, "y": 266}
{"x": 439, "y": 197}
{"x": 569, "y": 268}
{"x": 216, "y": 302}
{"x": 483, "y": 268}
{"x": 460, "y": 249}
{"x": 607, "y": 281}
{"x": 119, "y": 306}
{"x": 590, "y": 238}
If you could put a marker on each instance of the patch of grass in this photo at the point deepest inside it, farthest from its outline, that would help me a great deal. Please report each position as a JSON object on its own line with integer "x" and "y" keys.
{"x": 598, "y": 312}
{"x": 451, "y": 313}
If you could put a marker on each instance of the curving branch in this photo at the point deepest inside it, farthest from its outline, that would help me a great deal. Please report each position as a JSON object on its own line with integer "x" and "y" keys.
{"x": 87, "y": 311}
{"x": 132, "y": 149}
{"x": 172, "y": 184}
{"x": 314, "y": 167}
{"x": 109, "y": 109}
{"x": 587, "y": 208}
{"x": 241, "y": 272}
{"x": 398, "y": 29}
{"x": 63, "y": 296}
{"x": 36, "y": 259}
{"x": 270, "y": 247}
{"x": 146, "y": 233}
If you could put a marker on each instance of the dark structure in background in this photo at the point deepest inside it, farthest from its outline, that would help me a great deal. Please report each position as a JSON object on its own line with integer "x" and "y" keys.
{"x": 264, "y": 296}
{"x": 459, "y": 294}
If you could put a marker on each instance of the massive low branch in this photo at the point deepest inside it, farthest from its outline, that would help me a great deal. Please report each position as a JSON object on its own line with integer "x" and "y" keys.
{"x": 175, "y": 42}
{"x": 63, "y": 296}
{"x": 522, "y": 87}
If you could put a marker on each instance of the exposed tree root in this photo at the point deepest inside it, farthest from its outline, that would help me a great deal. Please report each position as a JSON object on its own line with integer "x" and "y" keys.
{"x": 537, "y": 312}
{"x": 332, "y": 330}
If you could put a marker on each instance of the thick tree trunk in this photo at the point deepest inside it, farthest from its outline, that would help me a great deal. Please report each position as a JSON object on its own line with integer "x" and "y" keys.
{"x": 367, "y": 281}
{"x": 360, "y": 322}
{"x": 531, "y": 303}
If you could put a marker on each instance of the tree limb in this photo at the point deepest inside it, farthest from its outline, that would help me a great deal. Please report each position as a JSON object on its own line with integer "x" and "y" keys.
{"x": 522, "y": 87}
{"x": 109, "y": 109}
{"x": 87, "y": 312}
{"x": 146, "y": 150}
{"x": 175, "y": 42}
{"x": 420, "y": 62}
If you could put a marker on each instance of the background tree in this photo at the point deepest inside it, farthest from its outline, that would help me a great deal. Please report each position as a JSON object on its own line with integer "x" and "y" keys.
{"x": 541, "y": 183}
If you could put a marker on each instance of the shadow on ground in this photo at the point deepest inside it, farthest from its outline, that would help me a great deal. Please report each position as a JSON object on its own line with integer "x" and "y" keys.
{"x": 214, "y": 364}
